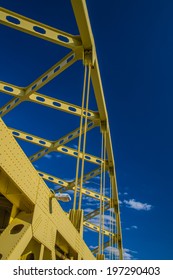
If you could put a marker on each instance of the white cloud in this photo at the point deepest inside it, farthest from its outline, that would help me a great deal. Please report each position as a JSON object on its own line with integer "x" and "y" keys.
{"x": 108, "y": 220}
{"x": 88, "y": 199}
{"x": 131, "y": 203}
{"x": 48, "y": 156}
{"x": 95, "y": 183}
{"x": 88, "y": 210}
{"x": 127, "y": 253}
{"x": 92, "y": 247}
{"x": 96, "y": 177}
{"x": 132, "y": 227}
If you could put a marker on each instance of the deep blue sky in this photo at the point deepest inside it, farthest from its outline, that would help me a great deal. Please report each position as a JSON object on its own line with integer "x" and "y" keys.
{"x": 134, "y": 42}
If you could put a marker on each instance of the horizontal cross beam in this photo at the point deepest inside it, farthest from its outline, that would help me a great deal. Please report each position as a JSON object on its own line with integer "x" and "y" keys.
{"x": 38, "y": 29}
{"x": 68, "y": 186}
{"x": 61, "y": 148}
{"x": 23, "y": 94}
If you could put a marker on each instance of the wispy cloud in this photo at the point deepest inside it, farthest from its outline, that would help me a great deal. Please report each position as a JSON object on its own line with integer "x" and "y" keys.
{"x": 131, "y": 203}
{"x": 93, "y": 247}
{"x": 88, "y": 210}
{"x": 134, "y": 227}
{"x": 127, "y": 253}
{"x": 95, "y": 183}
{"x": 96, "y": 177}
{"x": 108, "y": 220}
{"x": 48, "y": 156}
{"x": 131, "y": 227}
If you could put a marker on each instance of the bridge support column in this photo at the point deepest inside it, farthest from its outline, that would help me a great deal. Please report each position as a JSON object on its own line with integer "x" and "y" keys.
{"x": 76, "y": 217}
{"x": 100, "y": 256}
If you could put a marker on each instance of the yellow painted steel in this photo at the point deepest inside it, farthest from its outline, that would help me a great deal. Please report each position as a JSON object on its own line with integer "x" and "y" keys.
{"x": 45, "y": 101}
{"x": 38, "y": 221}
{"x": 38, "y": 29}
{"x": 35, "y": 224}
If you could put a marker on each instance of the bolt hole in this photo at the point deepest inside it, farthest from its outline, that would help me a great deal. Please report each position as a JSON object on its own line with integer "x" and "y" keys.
{"x": 13, "y": 20}
{"x": 45, "y": 78}
{"x": 34, "y": 87}
{"x": 60, "y": 182}
{"x": 72, "y": 109}
{"x": 16, "y": 229}
{"x": 15, "y": 133}
{"x": 16, "y": 100}
{"x": 90, "y": 124}
{"x": 40, "y": 98}
{"x": 57, "y": 68}
{"x": 10, "y": 89}
{"x": 64, "y": 150}
{"x": 88, "y": 114}
{"x": 57, "y": 104}
{"x": 70, "y": 58}
{"x": 87, "y": 157}
{"x": 29, "y": 138}
{"x": 63, "y": 38}
{"x": 39, "y": 30}
{"x": 42, "y": 142}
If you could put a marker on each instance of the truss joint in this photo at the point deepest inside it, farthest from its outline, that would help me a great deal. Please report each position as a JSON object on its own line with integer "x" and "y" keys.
{"x": 88, "y": 57}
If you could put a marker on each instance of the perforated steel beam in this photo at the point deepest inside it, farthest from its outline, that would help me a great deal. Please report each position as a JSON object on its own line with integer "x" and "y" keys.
{"x": 85, "y": 31}
{"x": 25, "y": 93}
{"x": 96, "y": 212}
{"x": 63, "y": 140}
{"x": 43, "y": 100}
{"x": 68, "y": 186}
{"x": 38, "y": 29}
{"x": 61, "y": 148}
{"x": 97, "y": 228}
{"x": 26, "y": 182}
{"x": 109, "y": 243}
{"x": 83, "y": 47}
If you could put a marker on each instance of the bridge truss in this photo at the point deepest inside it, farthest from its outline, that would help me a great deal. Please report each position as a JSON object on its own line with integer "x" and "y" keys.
{"x": 33, "y": 224}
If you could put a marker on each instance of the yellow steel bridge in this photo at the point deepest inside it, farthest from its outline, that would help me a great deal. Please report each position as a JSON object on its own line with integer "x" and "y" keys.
{"x": 33, "y": 224}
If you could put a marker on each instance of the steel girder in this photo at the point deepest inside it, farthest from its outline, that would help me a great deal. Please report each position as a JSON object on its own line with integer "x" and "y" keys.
{"x": 83, "y": 48}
